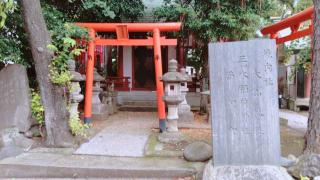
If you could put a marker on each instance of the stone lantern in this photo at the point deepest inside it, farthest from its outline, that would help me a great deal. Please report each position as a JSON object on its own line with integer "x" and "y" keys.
{"x": 185, "y": 113}
{"x": 99, "y": 110}
{"x": 75, "y": 96}
{"x": 172, "y": 82}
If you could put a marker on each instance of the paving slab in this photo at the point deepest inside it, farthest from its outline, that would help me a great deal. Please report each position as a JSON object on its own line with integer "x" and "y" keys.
{"x": 49, "y": 165}
{"x": 115, "y": 144}
{"x": 295, "y": 120}
{"x": 126, "y": 135}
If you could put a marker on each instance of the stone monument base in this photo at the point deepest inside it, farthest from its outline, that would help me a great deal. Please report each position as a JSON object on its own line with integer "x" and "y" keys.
{"x": 100, "y": 112}
{"x": 186, "y": 116}
{"x": 245, "y": 172}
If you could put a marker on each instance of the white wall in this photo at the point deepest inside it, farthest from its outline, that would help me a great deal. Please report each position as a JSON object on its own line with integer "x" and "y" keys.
{"x": 127, "y": 63}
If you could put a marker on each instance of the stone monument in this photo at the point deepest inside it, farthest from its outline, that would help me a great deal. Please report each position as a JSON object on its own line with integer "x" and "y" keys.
{"x": 244, "y": 106}
{"x": 185, "y": 113}
{"x": 15, "y": 110}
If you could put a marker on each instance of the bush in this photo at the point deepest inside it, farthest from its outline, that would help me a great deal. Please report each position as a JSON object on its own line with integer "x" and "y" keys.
{"x": 77, "y": 127}
{"x": 37, "y": 109}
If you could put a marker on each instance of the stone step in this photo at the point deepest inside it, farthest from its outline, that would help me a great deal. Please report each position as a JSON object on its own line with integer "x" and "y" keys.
{"x": 136, "y": 108}
{"x": 140, "y": 103}
{"x": 55, "y": 165}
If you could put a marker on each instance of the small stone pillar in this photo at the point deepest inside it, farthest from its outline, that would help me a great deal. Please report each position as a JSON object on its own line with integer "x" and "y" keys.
{"x": 185, "y": 113}
{"x": 172, "y": 83}
{"x": 75, "y": 96}
{"x": 113, "y": 95}
{"x": 108, "y": 97}
{"x": 99, "y": 110}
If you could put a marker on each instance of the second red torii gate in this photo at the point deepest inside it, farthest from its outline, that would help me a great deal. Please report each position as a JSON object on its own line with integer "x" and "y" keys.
{"x": 294, "y": 23}
{"x": 122, "y": 30}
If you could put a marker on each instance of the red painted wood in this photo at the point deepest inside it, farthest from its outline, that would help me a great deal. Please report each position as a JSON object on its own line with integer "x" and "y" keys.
{"x": 135, "y": 42}
{"x": 132, "y": 27}
{"x": 158, "y": 70}
{"x": 288, "y": 22}
{"x": 292, "y": 22}
{"x": 89, "y": 76}
{"x": 293, "y": 36}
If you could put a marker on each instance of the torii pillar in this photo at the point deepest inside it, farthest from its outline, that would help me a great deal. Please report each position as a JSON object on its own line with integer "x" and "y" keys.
{"x": 89, "y": 77}
{"x": 159, "y": 84}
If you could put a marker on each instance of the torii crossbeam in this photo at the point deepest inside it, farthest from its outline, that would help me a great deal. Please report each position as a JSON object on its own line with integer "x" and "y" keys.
{"x": 122, "y": 30}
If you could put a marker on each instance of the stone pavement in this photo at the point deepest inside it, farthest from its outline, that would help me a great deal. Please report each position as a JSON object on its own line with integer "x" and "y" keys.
{"x": 295, "y": 120}
{"x": 57, "y": 163}
{"x": 117, "y": 151}
{"x": 125, "y": 135}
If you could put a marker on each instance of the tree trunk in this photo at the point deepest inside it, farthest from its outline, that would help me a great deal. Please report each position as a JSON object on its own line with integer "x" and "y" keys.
{"x": 204, "y": 83}
{"x": 53, "y": 97}
{"x": 313, "y": 132}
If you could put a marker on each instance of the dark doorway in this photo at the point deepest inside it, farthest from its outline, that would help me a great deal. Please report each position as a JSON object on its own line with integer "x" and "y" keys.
{"x": 300, "y": 83}
{"x": 143, "y": 68}
{"x": 143, "y": 72}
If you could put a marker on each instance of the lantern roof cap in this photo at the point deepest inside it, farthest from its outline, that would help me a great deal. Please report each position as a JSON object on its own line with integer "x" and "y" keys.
{"x": 172, "y": 75}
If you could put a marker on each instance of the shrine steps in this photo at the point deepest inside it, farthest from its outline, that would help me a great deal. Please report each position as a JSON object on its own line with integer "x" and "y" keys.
{"x": 139, "y": 106}
{"x": 57, "y": 165}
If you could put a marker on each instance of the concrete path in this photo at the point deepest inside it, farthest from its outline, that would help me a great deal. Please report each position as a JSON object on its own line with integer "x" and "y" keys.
{"x": 125, "y": 135}
{"x": 295, "y": 120}
{"x": 63, "y": 165}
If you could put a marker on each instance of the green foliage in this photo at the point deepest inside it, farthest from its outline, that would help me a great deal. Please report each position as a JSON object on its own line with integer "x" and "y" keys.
{"x": 303, "y": 57}
{"x": 99, "y": 10}
{"x": 238, "y": 24}
{"x": 215, "y": 20}
{"x": 14, "y": 46}
{"x": 77, "y": 127}
{"x": 10, "y": 51}
{"x": 13, "y": 41}
{"x": 303, "y": 4}
{"x": 302, "y": 51}
{"x": 212, "y": 20}
{"x": 99, "y": 7}
{"x": 304, "y": 178}
{"x": 299, "y": 6}
{"x": 114, "y": 10}
{"x": 65, "y": 48}
{"x": 5, "y": 7}
{"x": 37, "y": 109}
{"x": 193, "y": 58}
{"x": 59, "y": 77}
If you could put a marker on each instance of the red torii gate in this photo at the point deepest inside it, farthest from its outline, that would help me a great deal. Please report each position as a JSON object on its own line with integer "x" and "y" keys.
{"x": 294, "y": 23}
{"x": 122, "y": 30}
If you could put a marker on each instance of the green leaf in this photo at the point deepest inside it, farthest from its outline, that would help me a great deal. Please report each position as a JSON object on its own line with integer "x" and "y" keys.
{"x": 52, "y": 47}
